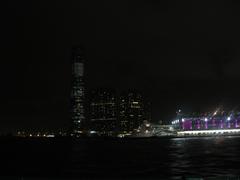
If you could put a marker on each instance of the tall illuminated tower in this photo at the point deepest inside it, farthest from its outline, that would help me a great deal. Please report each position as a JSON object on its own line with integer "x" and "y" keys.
{"x": 132, "y": 111}
{"x": 78, "y": 91}
{"x": 103, "y": 111}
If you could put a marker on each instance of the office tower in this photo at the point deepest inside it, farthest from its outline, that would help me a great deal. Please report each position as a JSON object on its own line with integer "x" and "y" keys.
{"x": 132, "y": 111}
{"x": 103, "y": 111}
{"x": 78, "y": 91}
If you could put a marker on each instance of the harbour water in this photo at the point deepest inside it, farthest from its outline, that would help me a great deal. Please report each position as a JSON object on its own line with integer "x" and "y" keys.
{"x": 149, "y": 158}
{"x": 171, "y": 158}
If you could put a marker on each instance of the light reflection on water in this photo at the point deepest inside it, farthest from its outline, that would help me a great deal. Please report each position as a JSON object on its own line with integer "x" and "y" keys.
{"x": 205, "y": 156}
{"x": 197, "y": 156}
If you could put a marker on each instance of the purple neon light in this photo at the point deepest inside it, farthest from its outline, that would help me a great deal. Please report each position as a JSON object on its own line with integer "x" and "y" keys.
{"x": 213, "y": 122}
{"x": 236, "y": 123}
{"x": 229, "y": 124}
{"x": 198, "y": 124}
{"x": 221, "y": 124}
{"x": 194, "y": 124}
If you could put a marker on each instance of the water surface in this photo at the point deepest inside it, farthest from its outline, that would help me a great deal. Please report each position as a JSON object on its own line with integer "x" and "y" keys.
{"x": 160, "y": 158}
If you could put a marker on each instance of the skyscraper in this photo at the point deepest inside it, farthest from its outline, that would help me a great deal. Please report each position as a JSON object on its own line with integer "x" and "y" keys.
{"x": 133, "y": 111}
{"x": 78, "y": 91}
{"x": 103, "y": 111}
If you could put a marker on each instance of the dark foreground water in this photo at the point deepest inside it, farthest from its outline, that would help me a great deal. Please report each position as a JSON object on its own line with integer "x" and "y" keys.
{"x": 159, "y": 158}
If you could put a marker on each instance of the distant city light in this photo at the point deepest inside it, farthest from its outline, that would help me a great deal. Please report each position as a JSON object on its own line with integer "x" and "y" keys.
{"x": 206, "y": 119}
{"x": 50, "y": 135}
{"x": 135, "y": 102}
{"x": 174, "y": 122}
{"x": 229, "y": 118}
{"x": 183, "y": 119}
{"x": 179, "y": 110}
{"x": 147, "y": 125}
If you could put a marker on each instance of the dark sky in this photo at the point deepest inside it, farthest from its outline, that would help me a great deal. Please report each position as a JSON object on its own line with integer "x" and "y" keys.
{"x": 182, "y": 54}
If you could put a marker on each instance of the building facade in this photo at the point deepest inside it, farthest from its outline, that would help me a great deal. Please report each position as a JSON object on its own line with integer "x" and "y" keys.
{"x": 133, "y": 111}
{"x": 212, "y": 121}
{"x": 78, "y": 91}
{"x": 103, "y": 111}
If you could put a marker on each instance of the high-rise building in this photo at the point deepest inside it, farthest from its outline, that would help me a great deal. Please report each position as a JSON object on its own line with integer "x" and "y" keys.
{"x": 78, "y": 91}
{"x": 103, "y": 111}
{"x": 133, "y": 111}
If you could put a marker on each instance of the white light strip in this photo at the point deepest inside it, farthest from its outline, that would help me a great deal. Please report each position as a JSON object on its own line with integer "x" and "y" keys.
{"x": 209, "y": 131}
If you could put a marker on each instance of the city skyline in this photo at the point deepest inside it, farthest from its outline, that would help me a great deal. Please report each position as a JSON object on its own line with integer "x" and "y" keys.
{"x": 120, "y": 89}
{"x": 128, "y": 45}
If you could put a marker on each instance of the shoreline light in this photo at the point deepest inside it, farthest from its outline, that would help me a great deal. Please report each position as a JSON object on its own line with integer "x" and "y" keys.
{"x": 209, "y": 131}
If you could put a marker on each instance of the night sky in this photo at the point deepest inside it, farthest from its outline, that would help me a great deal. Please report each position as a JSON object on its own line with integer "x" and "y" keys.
{"x": 181, "y": 54}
